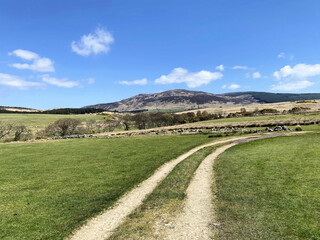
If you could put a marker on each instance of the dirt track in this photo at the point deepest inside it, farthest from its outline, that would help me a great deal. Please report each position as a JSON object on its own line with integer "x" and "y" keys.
{"x": 196, "y": 217}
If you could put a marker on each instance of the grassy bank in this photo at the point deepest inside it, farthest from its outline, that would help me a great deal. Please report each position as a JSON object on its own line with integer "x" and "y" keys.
{"x": 149, "y": 220}
{"x": 269, "y": 189}
{"x": 48, "y": 189}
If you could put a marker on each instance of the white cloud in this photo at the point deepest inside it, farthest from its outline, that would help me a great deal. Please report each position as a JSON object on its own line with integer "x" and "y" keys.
{"x": 90, "y": 81}
{"x": 299, "y": 71}
{"x": 284, "y": 56}
{"x": 94, "y": 43}
{"x": 256, "y": 75}
{"x": 24, "y": 54}
{"x": 232, "y": 86}
{"x": 296, "y": 77}
{"x": 220, "y": 68}
{"x": 240, "y": 67}
{"x": 38, "y": 64}
{"x": 281, "y": 55}
{"x": 64, "y": 82}
{"x": 292, "y": 86}
{"x": 140, "y": 82}
{"x": 181, "y": 75}
{"x": 16, "y": 82}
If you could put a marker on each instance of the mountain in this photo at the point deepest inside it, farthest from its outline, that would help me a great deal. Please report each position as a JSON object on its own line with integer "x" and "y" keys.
{"x": 187, "y": 100}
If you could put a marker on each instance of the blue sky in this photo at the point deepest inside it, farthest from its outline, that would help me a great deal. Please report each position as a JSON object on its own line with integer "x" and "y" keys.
{"x": 67, "y": 53}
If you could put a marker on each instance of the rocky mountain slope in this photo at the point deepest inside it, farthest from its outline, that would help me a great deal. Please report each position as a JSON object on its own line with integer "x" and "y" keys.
{"x": 186, "y": 100}
{"x": 174, "y": 99}
{"x": 181, "y": 99}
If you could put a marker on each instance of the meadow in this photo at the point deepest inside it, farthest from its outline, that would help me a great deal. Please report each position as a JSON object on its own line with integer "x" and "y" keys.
{"x": 48, "y": 189}
{"x": 269, "y": 189}
{"x": 40, "y": 121}
{"x": 37, "y": 122}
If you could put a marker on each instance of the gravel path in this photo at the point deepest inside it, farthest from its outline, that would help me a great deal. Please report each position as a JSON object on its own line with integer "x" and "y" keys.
{"x": 196, "y": 217}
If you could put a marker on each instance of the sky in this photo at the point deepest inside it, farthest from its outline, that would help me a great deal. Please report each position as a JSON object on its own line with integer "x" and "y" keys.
{"x": 73, "y": 53}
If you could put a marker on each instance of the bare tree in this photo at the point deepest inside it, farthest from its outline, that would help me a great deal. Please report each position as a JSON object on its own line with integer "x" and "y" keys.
{"x": 20, "y": 131}
{"x": 62, "y": 127}
{"x": 5, "y": 129}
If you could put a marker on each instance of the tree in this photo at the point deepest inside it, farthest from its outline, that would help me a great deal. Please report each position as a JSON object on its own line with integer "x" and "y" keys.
{"x": 126, "y": 121}
{"x": 91, "y": 125}
{"x": 5, "y": 129}
{"x": 20, "y": 131}
{"x": 111, "y": 125}
{"x": 62, "y": 127}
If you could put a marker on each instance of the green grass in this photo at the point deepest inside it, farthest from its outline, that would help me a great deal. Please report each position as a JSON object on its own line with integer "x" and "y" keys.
{"x": 164, "y": 203}
{"x": 269, "y": 189}
{"x": 48, "y": 189}
{"x": 40, "y": 121}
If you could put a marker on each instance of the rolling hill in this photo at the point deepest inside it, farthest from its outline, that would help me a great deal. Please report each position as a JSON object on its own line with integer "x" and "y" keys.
{"x": 181, "y": 99}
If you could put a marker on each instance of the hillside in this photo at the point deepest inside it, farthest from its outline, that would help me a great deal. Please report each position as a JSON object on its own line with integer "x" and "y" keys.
{"x": 188, "y": 100}
{"x": 265, "y": 97}
{"x": 174, "y": 99}
{"x": 17, "y": 109}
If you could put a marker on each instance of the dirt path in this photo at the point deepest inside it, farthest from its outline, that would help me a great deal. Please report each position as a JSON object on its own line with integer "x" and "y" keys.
{"x": 197, "y": 218}
{"x": 194, "y": 222}
{"x": 102, "y": 226}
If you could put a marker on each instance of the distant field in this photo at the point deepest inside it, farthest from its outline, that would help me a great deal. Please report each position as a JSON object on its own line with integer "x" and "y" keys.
{"x": 48, "y": 189}
{"x": 313, "y": 106}
{"x": 269, "y": 189}
{"x": 40, "y": 121}
{"x": 260, "y": 118}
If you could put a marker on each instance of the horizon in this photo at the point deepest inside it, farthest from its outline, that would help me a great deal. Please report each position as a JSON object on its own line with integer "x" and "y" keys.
{"x": 70, "y": 54}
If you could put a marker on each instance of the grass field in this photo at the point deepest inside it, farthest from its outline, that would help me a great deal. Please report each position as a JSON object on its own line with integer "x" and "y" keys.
{"x": 48, "y": 189}
{"x": 269, "y": 189}
{"x": 163, "y": 203}
{"x": 40, "y": 121}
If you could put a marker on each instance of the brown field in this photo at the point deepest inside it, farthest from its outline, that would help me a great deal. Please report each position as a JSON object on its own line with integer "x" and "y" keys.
{"x": 314, "y": 106}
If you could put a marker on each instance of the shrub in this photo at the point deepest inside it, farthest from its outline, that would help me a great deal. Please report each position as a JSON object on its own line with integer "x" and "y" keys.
{"x": 21, "y": 133}
{"x": 62, "y": 127}
{"x": 5, "y": 129}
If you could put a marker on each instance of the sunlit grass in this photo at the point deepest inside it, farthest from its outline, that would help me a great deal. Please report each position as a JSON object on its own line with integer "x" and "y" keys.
{"x": 48, "y": 189}
{"x": 269, "y": 189}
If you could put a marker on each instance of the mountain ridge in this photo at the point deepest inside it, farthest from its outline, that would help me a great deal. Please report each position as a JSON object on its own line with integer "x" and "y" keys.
{"x": 188, "y": 100}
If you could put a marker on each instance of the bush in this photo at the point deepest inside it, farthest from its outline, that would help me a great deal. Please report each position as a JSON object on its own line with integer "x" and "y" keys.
{"x": 62, "y": 127}
{"x": 21, "y": 133}
{"x": 6, "y": 129}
